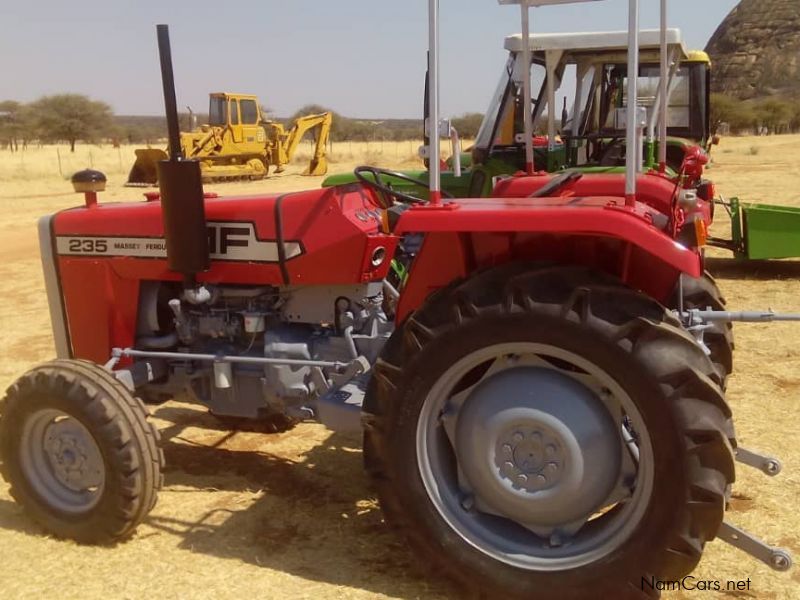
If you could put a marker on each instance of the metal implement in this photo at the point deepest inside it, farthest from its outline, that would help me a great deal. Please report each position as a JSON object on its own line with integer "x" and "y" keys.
{"x": 777, "y": 559}
{"x": 763, "y": 231}
{"x": 769, "y": 465}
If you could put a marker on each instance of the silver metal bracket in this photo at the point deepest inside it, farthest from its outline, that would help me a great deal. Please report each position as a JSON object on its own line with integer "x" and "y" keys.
{"x": 357, "y": 367}
{"x": 767, "y": 464}
{"x": 777, "y": 559}
{"x": 703, "y": 317}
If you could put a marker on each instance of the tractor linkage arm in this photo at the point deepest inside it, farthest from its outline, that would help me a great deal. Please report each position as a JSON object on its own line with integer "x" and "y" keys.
{"x": 697, "y": 322}
{"x": 701, "y": 317}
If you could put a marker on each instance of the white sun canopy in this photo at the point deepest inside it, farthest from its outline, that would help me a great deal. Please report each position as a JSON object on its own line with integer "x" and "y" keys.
{"x": 598, "y": 42}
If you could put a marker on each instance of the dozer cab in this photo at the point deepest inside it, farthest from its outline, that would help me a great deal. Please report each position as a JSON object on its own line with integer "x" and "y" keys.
{"x": 238, "y": 142}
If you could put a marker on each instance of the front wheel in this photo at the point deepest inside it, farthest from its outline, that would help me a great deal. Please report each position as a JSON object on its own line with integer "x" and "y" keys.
{"x": 549, "y": 433}
{"x": 78, "y": 451}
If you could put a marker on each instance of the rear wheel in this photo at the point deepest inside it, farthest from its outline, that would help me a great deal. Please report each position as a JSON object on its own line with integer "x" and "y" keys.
{"x": 78, "y": 451}
{"x": 549, "y": 432}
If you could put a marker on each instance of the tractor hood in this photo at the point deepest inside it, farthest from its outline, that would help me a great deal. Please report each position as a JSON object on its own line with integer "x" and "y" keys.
{"x": 318, "y": 236}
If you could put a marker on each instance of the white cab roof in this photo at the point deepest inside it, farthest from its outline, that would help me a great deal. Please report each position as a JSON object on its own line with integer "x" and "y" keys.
{"x": 535, "y": 3}
{"x": 595, "y": 42}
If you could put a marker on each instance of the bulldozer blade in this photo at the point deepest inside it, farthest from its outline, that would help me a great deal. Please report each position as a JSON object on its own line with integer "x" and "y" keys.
{"x": 143, "y": 171}
{"x": 317, "y": 167}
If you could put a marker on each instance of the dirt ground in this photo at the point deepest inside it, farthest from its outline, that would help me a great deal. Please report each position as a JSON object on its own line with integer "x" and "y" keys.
{"x": 290, "y": 515}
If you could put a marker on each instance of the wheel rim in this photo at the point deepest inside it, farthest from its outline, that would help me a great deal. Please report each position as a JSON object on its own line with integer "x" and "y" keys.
{"x": 535, "y": 456}
{"x": 62, "y": 461}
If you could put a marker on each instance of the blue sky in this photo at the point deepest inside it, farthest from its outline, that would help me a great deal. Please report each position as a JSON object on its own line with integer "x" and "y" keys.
{"x": 363, "y": 58}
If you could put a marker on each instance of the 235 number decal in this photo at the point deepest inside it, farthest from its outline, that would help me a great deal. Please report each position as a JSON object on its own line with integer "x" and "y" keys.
{"x": 88, "y": 245}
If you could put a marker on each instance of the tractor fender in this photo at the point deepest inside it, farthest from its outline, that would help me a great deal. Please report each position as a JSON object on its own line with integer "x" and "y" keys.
{"x": 467, "y": 235}
{"x": 653, "y": 189}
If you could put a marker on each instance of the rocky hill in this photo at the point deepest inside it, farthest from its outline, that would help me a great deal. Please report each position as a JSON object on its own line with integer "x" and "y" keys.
{"x": 756, "y": 50}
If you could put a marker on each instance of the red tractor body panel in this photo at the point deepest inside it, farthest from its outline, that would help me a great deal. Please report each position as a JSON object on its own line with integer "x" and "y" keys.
{"x": 652, "y": 189}
{"x": 103, "y": 252}
{"x": 331, "y": 236}
{"x": 596, "y": 232}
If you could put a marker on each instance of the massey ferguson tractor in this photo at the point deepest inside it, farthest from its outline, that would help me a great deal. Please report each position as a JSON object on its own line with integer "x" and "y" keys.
{"x": 541, "y": 409}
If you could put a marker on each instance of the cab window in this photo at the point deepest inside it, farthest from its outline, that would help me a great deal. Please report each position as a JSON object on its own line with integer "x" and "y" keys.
{"x": 216, "y": 111}
{"x": 249, "y": 112}
{"x": 234, "y": 107}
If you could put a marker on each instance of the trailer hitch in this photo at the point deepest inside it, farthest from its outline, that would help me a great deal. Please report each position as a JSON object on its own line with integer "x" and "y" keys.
{"x": 777, "y": 559}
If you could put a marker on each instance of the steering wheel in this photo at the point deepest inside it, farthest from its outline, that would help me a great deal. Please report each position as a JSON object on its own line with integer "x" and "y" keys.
{"x": 556, "y": 183}
{"x": 386, "y": 194}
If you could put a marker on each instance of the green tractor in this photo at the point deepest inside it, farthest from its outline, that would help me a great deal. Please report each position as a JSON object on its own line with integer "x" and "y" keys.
{"x": 589, "y": 70}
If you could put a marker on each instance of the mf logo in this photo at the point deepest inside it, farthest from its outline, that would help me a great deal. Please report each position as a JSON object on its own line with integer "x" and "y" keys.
{"x": 238, "y": 241}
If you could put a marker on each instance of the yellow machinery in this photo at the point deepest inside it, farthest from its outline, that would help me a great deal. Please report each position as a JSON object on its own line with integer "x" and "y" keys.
{"x": 238, "y": 142}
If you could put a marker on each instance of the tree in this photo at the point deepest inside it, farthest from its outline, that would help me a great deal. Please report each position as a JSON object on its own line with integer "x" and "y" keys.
{"x": 737, "y": 114}
{"x": 794, "y": 122}
{"x": 70, "y": 117}
{"x": 14, "y": 125}
{"x": 775, "y": 114}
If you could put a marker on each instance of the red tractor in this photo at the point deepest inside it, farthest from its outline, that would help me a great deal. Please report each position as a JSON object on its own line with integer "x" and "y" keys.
{"x": 540, "y": 412}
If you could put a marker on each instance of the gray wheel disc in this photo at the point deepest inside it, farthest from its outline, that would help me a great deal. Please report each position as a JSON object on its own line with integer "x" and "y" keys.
{"x": 535, "y": 456}
{"x": 62, "y": 461}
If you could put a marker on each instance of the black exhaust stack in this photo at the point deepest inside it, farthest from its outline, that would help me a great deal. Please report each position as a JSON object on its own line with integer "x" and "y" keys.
{"x": 182, "y": 201}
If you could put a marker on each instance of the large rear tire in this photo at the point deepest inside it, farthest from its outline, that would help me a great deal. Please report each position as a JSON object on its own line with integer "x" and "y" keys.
{"x": 549, "y": 433}
{"x": 78, "y": 451}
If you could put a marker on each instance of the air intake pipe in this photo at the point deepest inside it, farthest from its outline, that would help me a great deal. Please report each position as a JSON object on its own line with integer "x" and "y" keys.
{"x": 179, "y": 179}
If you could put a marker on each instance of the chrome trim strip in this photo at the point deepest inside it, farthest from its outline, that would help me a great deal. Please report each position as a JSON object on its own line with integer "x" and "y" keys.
{"x": 53, "y": 287}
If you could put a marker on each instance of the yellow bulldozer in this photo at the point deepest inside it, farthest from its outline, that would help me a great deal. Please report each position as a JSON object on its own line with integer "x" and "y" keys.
{"x": 239, "y": 143}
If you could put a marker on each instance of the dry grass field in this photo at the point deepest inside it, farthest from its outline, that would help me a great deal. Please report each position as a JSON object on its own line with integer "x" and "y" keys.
{"x": 290, "y": 515}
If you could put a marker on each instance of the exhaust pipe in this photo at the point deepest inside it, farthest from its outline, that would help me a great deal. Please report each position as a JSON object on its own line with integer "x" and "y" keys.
{"x": 181, "y": 186}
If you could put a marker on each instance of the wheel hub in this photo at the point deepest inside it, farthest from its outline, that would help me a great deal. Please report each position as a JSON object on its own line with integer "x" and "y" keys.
{"x": 531, "y": 457}
{"x": 62, "y": 460}
{"x": 69, "y": 456}
{"x": 538, "y": 447}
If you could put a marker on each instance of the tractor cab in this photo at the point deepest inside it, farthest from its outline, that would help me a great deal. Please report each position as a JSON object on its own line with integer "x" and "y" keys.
{"x": 582, "y": 74}
{"x": 578, "y": 83}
